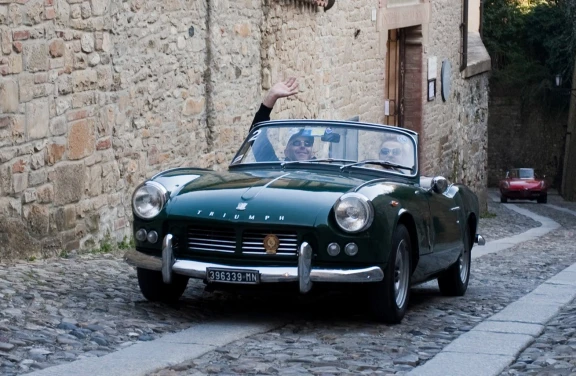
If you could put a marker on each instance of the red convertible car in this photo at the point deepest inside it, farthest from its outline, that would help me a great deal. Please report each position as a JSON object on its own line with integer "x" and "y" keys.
{"x": 523, "y": 184}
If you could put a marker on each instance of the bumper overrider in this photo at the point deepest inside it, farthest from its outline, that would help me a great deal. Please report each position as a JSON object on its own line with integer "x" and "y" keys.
{"x": 304, "y": 273}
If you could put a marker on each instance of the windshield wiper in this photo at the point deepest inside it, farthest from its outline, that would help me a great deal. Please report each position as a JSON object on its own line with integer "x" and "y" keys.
{"x": 376, "y": 162}
{"x": 325, "y": 160}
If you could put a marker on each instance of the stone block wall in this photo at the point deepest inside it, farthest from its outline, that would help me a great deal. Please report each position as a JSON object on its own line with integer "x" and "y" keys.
{"x": 97, "y": 95}
{"x": 454, "y": 131}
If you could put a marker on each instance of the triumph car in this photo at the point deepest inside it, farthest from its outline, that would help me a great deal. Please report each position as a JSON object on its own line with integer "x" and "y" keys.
{"x": 308, "y": 203}
{"x": 523, "y": 184}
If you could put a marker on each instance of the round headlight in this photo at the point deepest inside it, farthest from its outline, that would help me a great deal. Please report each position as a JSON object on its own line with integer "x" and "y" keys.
{"x": 353, "y": 212}
{"x": 148, "y": 200}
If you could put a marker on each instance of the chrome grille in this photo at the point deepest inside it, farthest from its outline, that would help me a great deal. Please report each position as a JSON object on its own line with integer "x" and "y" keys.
{"x": 211, "y": 240}
{"x": 253, "y": 242}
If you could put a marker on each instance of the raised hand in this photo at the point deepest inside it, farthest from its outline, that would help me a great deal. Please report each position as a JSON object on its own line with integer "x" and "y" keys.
{"x": 281, "y": 90}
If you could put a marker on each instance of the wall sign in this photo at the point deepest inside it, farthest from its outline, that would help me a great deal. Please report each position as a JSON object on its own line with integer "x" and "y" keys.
{"x": 431, "y": 89}
{"x": 432, "y": 67}
{"x": 446, "y": 77}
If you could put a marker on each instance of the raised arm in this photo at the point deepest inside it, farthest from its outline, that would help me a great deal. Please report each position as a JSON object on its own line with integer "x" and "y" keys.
{"x": 281, "y": 89}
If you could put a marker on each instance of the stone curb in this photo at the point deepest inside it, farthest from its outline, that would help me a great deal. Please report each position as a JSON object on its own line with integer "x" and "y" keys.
{"x": 172, "y": 349}
{"x": 502, "y": 244}
{"x": 495, "y": 343}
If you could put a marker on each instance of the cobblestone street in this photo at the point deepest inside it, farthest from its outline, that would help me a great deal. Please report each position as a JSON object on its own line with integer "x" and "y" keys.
{"x": 60, "y": 310}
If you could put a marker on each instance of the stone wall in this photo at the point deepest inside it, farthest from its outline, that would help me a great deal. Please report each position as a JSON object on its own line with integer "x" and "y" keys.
{"x": 455, "y": 131}
{"x": 97, "y": 95}
{"x": 522, "y": 135}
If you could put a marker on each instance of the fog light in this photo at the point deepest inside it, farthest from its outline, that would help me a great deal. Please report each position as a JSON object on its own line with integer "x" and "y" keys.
{"x": 333, "y": 249}
{"x": 351, "y": 249}
{"x": 152, "y": 237}
{"x": 141, "y": 235}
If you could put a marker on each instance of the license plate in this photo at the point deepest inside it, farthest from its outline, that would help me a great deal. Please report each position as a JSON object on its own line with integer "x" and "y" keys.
{"x": 250, "y": 277}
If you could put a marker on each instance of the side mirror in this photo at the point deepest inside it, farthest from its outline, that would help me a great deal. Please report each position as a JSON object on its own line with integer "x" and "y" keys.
{"x": 439, "y": 184}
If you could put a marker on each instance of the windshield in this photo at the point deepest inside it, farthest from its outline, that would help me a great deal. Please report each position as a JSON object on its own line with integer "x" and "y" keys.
{"x": 343, "y": 145}
{"x": 522, "y": 173}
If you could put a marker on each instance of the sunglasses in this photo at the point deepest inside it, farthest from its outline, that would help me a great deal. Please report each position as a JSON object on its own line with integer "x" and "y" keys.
{"x": 300, "y": 143}
{"x": 387, "y": 151}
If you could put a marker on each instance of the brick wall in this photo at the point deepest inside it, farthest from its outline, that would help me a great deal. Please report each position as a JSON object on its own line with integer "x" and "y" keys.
{"x": 96, "y": 96}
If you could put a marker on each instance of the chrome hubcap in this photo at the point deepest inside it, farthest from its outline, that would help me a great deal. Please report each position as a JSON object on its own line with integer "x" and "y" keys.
{"x": 464, "y": 262}
{"x": 401, "y": 273}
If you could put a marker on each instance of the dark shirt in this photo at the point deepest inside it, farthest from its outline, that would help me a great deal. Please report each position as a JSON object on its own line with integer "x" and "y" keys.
{"x": 263, "y": 114}
{"x": 261, "y": 147}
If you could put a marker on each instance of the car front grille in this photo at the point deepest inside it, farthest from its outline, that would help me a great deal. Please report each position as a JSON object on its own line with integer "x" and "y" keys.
{"x": 223, "y": 241}
{"x": 211, "y": 240}
{"x": 253, "y": 243}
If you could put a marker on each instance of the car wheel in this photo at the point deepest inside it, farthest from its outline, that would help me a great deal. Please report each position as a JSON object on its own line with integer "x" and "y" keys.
{"x": 154, "y": 289}
{"x": 454, "y": 281}
{"x": 503, "y": 199}
{"x": 391, "y": 295}
{"x": 542, "y": 199}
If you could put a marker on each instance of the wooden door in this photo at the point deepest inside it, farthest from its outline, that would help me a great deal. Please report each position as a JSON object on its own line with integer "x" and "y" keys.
{"x": 395, "y": 77}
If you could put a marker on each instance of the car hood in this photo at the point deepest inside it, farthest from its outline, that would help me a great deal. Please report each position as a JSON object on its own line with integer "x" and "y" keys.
{"x": 287, "y": 197}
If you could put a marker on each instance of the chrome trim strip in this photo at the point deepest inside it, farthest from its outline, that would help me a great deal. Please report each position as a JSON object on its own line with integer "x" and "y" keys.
{"x": 304, "y": 267}
{"x": 167, "y": 259}
{"x": 197, "y": 269}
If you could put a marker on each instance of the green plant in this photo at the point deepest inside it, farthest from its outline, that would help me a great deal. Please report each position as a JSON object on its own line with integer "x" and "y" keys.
{"x": 488, "y": 215}
{"x": 126, "y": 243}
{"x": 105, "y": 245}
{"x": 64, "y": 254}
{"x": 530, "y": 41}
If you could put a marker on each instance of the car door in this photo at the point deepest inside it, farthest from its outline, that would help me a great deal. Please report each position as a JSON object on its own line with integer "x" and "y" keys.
{"x": 446, "y": 229}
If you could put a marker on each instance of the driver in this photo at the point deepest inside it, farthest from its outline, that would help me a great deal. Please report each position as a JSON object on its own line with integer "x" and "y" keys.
{"x": 299, "y": 147}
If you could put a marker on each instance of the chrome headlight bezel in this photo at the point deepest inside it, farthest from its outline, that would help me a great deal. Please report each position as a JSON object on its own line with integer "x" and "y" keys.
{"x": 161, "y": 195}
{"x": 356, "y": 201}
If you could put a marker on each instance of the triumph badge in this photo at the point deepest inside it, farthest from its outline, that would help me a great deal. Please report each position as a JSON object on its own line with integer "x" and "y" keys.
{"x": 241, "y": 206}
{"x": 271, "y": 244}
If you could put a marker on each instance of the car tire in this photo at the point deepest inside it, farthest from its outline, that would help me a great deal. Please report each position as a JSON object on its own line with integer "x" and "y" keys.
{"x": 542, "y": 199}
{"x": 454, "y": 281}
{"x": 391, "y": 296}
{"x": 503, "y": 199}
{"x": 155, "y": 290}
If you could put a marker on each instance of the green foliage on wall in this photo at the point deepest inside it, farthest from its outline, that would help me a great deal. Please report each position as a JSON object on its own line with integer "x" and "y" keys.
{"x": 530, "y": 42}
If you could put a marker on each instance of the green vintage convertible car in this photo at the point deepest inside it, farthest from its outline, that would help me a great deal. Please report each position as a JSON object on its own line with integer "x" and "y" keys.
{"x": 308, "y": 202}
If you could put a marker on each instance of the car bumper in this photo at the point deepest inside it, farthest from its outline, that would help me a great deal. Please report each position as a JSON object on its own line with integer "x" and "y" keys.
{"x": 523, "y": 194}
{"x": 304, "y": 273}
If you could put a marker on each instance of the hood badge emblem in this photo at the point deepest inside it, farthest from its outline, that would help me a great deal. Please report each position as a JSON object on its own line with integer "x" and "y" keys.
{"x": 241, "y": 206}
{"x": 271, "y": 244}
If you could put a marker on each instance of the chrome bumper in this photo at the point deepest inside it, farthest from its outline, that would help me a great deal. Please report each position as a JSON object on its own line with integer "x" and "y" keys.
{"x": 480, "y": 240}
{"x": 304, "y": 273}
